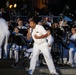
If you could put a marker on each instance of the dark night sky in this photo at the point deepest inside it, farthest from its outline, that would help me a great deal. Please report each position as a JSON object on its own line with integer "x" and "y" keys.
{"x": 55, "y": 5}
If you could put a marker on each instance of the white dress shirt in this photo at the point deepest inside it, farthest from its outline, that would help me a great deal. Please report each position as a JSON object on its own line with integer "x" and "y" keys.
{"x": 39, "y": 30}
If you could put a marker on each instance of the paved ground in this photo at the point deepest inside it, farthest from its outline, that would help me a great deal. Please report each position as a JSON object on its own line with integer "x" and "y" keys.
{"x": 61, "y": 70}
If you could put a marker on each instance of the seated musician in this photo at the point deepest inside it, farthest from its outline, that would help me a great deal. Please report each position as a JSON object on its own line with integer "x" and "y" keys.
{"x": 10, "y": 26}
{"x": 22, "y": 28}
{"x": 29, "y": 42}
{"x": 15, "y": 47}
{"x": 20, "y": 25}
{"x": 72, "y": 50}
{"x": 50, "y": 40}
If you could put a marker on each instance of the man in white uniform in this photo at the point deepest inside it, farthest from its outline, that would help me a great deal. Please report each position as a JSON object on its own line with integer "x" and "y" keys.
{"x": 50, "y": 39}
{"x": 4, "y": 34}
{"x": 72, "y": 50}
{"x": 39, "y": 35}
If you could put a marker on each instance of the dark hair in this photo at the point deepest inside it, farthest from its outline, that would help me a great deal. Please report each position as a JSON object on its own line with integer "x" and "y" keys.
{"x": 74, "y": 26}
{"x": 16, "y": 27}
{"x": 34, "y": 20}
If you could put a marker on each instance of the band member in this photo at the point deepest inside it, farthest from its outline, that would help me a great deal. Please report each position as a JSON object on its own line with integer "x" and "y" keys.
{"x": 50, "y": 40}
{"x": 72, "y": 51}
{"x": 4, "y": 35}
{"x": 15, "y": 46}
{"x": 39, "y": 35}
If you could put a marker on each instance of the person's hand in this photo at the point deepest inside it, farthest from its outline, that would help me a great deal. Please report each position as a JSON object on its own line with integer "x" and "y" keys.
{"x": 37, "y": 37}
{"x": 49, "y": 45}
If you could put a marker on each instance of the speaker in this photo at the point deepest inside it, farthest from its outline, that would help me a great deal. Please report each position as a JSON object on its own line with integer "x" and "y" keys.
{"x": 6, "y": 63}
{"x": 13, "y": 71}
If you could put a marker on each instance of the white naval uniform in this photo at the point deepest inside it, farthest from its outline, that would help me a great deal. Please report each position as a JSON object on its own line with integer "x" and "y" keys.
{"x": 40, "y": 45}
{"x": 50, "y": 41}
{"x": 4, "y": 33}
{"x": 49, "y": 24}
{"x": 72, "y": 58}
{"x": 22, "y": 27}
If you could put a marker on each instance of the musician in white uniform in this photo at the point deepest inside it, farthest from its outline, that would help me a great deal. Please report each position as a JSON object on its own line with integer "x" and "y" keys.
{"x": 50, "y": 39}
{"x": 39, "y": 35}
{"x": 4, "y": 35}
{"x": 72, "y": 50}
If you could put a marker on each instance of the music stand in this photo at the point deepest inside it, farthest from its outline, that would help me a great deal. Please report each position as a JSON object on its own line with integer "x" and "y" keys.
{"x": 23, "y": 31}
{"x": 66, "y": 28}
{"x": 61, "y": 44}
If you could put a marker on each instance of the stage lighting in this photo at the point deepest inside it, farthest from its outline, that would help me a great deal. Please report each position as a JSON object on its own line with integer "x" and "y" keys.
{"x": 10, "y": 6}
{"x": 15, "y": 5}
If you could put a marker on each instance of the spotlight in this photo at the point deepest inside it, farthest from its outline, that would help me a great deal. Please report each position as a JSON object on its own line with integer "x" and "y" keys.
{"x": 10, "y": 6}
{"x": 15, "y": 5}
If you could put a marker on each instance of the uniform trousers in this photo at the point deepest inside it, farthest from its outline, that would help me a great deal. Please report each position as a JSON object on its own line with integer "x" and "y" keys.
{"x": 43, "y": 48}
{"x": 4, "y": 37}
{"x": 72, "y": 55}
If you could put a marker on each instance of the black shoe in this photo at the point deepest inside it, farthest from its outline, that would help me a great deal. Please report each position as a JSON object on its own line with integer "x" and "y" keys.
{"x": 29, "y": 72}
